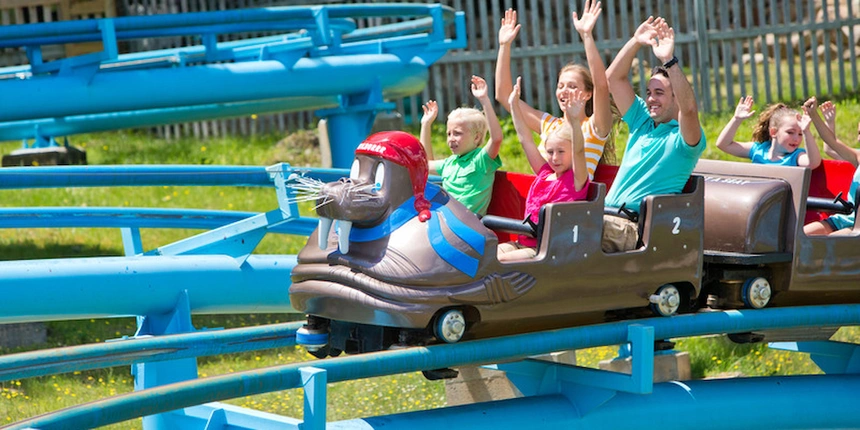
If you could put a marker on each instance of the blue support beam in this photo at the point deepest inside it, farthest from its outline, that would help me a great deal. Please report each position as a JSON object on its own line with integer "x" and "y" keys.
{"x": 176, "y": 396}
{"x": 137, "y": 218}
{"x": 127, "y": 351}
{"x": 831, "y": 356}
{"x": 314, "y": 386}
{"x": 151, "y": 175}
{"x": 132, "y": 175}
{"x": 301, "y": 70}
{"x": 236, "y": 83}
{"x": 796, "y": 402}
{"x": 237, "y": 240}
{"x": 235, "y": 418}
{"x": 187, "y": 23}
{"x": 532, "y": 376}
{"x": 88, "y": 287}
{"x": 44, "y": 128}
{"x": 157, "y": 373}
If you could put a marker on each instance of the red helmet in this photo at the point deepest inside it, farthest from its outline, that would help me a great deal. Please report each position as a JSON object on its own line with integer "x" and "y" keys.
{"x": 404, "y": 149}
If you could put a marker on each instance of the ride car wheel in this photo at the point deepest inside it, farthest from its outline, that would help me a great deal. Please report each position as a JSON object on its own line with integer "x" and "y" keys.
{"x": 666, "y": 301}
{"x": 450, "y": 326}
{"x": 756, "y": 293}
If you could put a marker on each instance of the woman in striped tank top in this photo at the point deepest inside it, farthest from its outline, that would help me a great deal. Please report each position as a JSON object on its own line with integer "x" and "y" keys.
{"x": 597, "y": 118}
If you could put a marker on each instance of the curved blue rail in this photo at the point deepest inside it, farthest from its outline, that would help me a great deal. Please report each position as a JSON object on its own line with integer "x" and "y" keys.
{"x": 54, "y": 217}
{"x": 151, "y": 285}
{"x": 134, "y": 27}
{"x": 302, "y": 69}
{"x": 146, "y": 349}
{"x": 190, "y": 393}
{"x": 153, "y": 175}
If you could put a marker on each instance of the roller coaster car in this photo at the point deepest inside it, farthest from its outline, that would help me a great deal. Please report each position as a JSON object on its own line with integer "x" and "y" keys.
{"x": 388, "y": 275}
{"x": 756, "y": 253}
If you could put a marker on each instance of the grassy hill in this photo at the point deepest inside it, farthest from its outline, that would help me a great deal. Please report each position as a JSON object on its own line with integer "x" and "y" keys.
{"x": 25, "y": 398}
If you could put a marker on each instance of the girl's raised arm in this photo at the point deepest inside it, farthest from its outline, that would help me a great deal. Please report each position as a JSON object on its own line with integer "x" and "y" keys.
{"x": 576, "y": 103}
{"x": 726, "y": 141}
{"x": 507, "y": 34}
{"x": 837, "y": 149}
{"x": 813, "y": 154}
{"x": 812, "y": 157}
{"x": 584, "y": 25}
{"x": 524, "y": 134}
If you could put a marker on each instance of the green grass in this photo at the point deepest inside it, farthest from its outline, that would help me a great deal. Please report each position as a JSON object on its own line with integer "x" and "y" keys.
{"x": 386, "y": 395}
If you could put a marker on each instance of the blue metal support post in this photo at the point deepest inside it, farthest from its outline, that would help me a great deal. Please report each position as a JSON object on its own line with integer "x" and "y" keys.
{"x": 350, "y": 123}
{"x": 149, "y": 375}
{"x": 314, "y": 384}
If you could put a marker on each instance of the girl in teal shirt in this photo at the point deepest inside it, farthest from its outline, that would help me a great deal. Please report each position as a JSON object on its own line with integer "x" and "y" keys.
{"x": 778, "y": 135}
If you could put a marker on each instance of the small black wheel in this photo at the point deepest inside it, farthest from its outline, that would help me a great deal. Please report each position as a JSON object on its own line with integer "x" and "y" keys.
{"x": 756, "y": 293}
{"x": 666, "y": 301}
{"x": 450, "y": 326}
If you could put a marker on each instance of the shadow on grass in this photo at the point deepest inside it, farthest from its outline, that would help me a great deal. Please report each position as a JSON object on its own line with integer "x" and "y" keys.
{"x": 29, "y": 250}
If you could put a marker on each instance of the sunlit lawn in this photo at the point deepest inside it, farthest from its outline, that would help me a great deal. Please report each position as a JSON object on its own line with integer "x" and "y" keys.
{"x": 26, "y": 398}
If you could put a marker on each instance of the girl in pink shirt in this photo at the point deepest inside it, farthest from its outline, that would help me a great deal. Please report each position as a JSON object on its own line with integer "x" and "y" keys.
{"x": 561, "y": 177}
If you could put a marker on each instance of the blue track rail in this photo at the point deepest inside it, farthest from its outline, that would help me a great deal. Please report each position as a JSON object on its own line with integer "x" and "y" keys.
{"x": 168, "y": 284}
{"x": 216, "y": 271}
{"x": 187, "y": 394}
{"x": 300, "y": 69}
{"x": 128, "y": 351}
{"x": 153, "y": 175}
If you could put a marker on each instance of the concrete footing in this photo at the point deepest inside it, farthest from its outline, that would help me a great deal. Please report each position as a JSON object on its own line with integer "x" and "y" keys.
{"x": 50, "y": 156}
{"x": 477, "y": 384}
{"x": 25, "y": 334}
{"x": 672, "y": 366}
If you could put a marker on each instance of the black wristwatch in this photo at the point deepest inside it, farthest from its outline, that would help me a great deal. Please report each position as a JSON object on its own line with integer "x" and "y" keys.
{"x": 670, "y": 63}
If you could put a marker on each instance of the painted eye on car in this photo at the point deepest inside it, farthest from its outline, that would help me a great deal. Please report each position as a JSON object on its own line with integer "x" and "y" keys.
{"x": 379, "y": 177}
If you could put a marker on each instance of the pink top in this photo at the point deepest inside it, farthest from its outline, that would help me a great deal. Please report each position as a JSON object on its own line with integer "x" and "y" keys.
{"x": 542, "y": 192}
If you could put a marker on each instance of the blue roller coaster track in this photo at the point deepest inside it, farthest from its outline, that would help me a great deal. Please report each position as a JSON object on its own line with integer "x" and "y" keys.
{"x": 321, "y": 61}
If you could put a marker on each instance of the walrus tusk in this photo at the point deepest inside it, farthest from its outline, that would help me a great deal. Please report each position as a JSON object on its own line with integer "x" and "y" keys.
{"x": 343, "y": 229}
{"x": 324, "y": 229}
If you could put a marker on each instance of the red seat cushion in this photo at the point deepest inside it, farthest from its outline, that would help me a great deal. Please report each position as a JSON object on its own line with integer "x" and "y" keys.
{"x": 828, "y": 180}
{"x": 510, "y": 190}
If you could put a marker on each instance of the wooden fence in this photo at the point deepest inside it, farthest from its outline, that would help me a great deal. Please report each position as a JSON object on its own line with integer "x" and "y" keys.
{"x": 773, "y": 50}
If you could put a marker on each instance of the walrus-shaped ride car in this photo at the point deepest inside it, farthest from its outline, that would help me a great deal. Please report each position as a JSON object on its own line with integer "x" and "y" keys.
{"x": 395, "y": 260}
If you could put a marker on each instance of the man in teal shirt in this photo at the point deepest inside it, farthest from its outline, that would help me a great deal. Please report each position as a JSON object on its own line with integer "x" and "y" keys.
{"x": 666, "y": 139}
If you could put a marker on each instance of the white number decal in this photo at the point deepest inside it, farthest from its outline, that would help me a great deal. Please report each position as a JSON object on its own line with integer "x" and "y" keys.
{"x": 575, "y": 233}
{"x": 677, "y": 228}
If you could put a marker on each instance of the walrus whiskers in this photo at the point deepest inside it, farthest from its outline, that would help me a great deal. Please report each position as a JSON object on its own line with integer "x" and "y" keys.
{"x": 306, "y": 189}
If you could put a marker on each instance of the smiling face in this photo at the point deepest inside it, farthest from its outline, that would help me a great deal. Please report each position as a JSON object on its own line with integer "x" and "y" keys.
{"x": 570, "y": 78}
{"x": 660, "y": 99}
{"x": 785, "y": 132}
{"x": 558, "y": 153}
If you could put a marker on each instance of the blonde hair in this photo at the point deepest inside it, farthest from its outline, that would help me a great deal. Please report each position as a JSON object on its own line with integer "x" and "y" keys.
{"x": 475, "y": 120}
{"x": 772, "y": 117}
{"x": 562, "y": 133}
